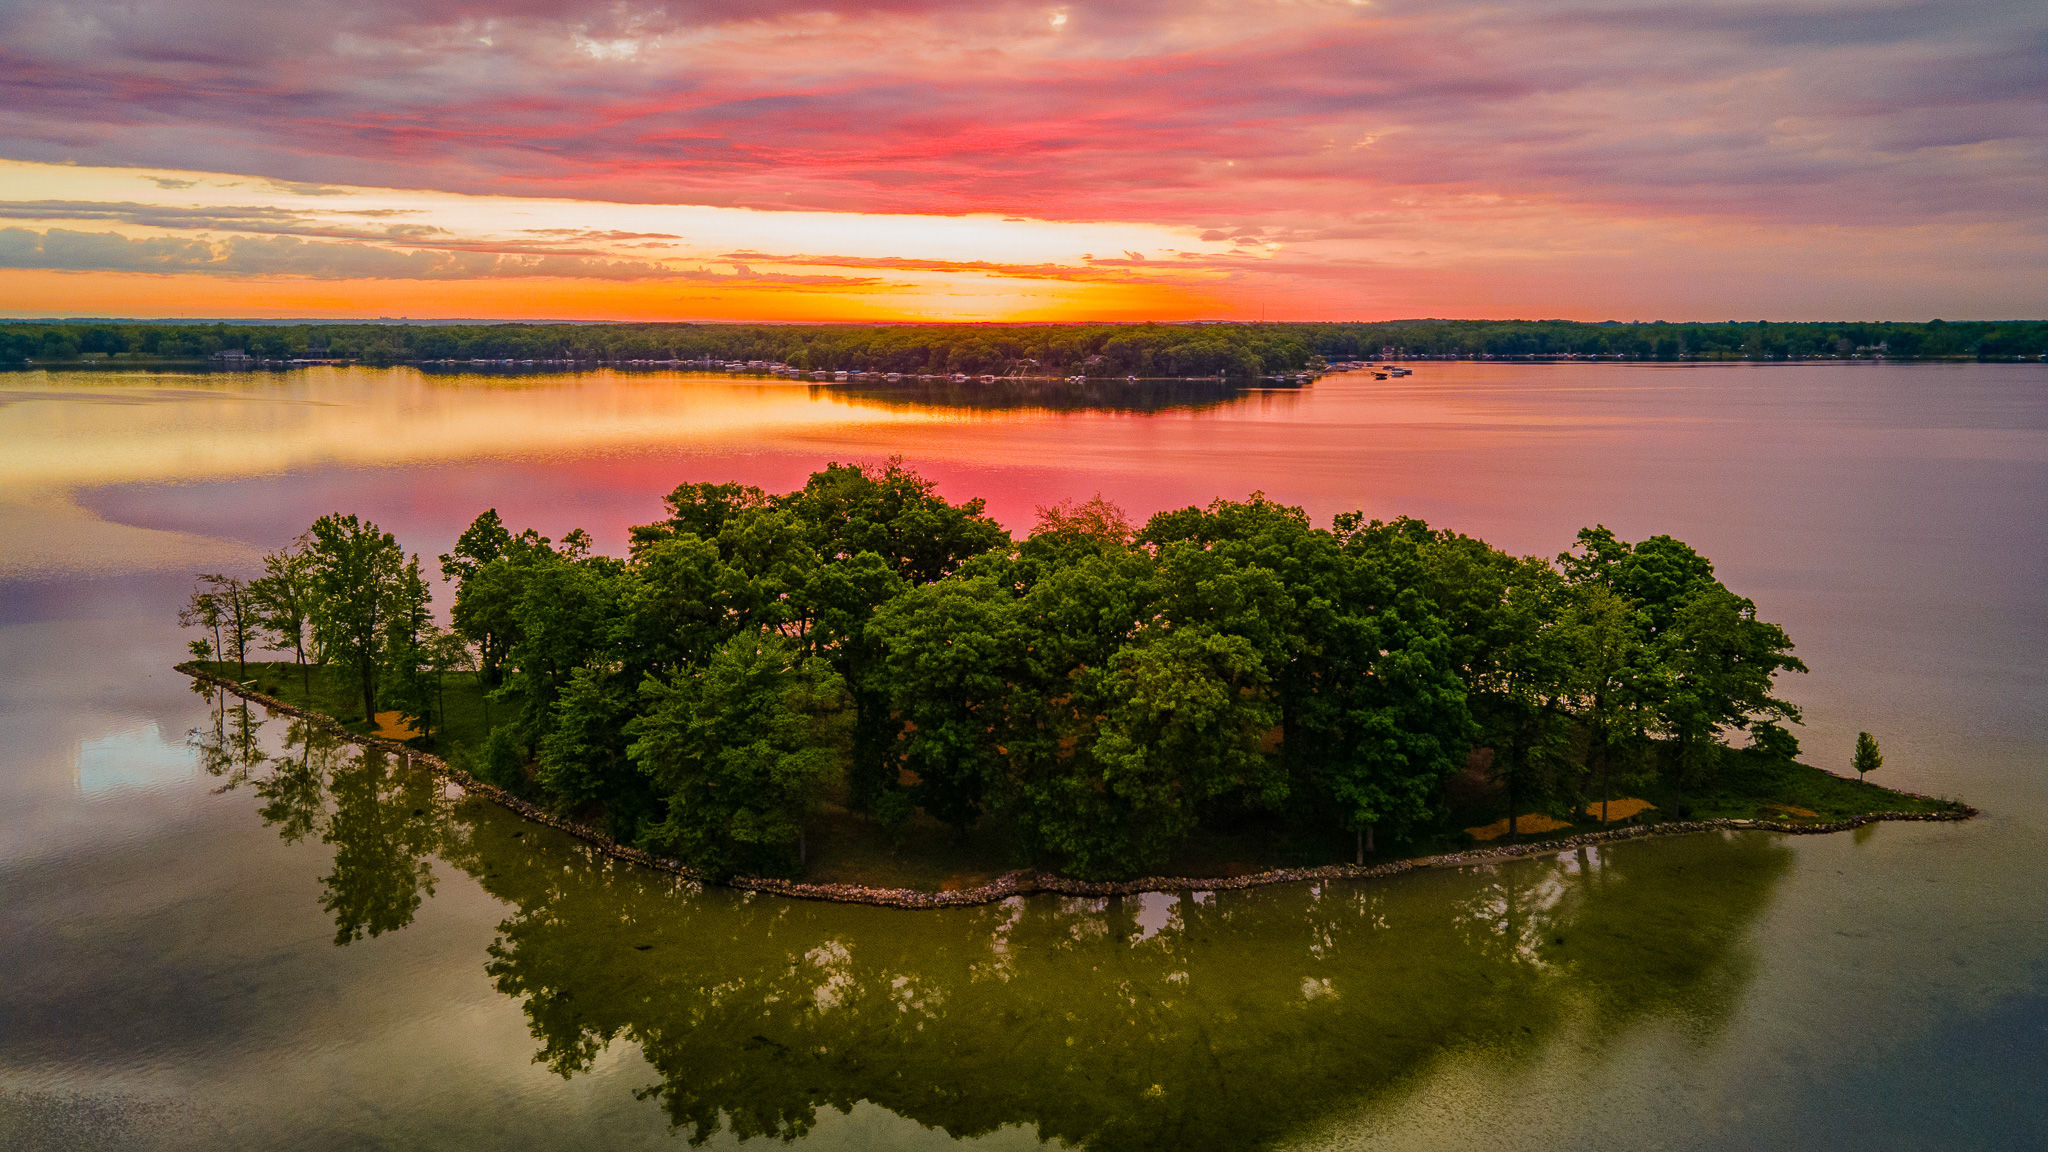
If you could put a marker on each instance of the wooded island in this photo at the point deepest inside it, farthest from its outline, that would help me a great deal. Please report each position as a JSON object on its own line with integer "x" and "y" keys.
{"x": 862, "y": 653}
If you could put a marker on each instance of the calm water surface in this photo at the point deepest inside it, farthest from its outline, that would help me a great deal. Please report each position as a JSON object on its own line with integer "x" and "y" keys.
{"x": 215, "y": 933}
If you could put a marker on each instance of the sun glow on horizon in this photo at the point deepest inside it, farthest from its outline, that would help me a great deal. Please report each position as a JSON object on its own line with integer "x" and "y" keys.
{"x": 150, "y": 242}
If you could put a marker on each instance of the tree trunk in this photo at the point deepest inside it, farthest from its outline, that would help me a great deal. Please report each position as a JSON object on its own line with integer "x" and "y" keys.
{"x": 369, "y": 693}
{"x": 1678, "y": 779}
{"x": 1596, "y": 752}
{"x": 1369, "y": 830}
{"x": 1513, "y": 834}
{"x": 1361, "y": 844}
{"x": 241, "y": 636}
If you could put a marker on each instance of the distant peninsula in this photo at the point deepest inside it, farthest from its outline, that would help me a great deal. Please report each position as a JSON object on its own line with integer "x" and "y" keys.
{"x": 861, "y": 682}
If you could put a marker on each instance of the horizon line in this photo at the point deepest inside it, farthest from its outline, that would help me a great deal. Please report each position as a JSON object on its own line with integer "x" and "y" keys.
{"x": 483, "y": 322}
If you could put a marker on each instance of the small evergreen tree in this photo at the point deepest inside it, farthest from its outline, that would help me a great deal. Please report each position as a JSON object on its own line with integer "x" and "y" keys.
{"x": 1868, "y": 758}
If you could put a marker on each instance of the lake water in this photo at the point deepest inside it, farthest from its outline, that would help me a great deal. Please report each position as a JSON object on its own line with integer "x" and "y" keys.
{"x": 214, "y": 935}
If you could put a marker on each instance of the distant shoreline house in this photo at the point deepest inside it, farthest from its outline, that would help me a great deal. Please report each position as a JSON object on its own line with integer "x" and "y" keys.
{"x": 233, "y": 356}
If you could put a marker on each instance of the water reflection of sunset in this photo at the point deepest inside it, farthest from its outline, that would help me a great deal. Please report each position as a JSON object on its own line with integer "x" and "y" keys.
{"x": 93, "y": 428}
{"x": 596, "y": 449}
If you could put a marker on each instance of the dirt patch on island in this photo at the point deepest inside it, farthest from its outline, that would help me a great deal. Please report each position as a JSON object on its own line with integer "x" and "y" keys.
{"x": 1532, "y": 824}
{"x": 1621, "y": 808}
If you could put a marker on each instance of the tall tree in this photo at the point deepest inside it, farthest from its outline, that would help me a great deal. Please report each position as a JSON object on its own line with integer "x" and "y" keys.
{"x": 1657, "y": 575}
{"x": 1718, "y": 664}
{"x": 1386, "y": 721}
{"x": 700, "y": 510}
{"x": 741, "y": 751}
{"x": 1188, "y": 711}
{"x": 1611, "y": 679}
{"x": 483, "y": 541}
{"x": 582, "y": 760}
{"x": 950, "y": 649}
{"x": 489, "y": 566}
{"x": 361, "y": 586}
{"x": 408, "y": 628}
{"x": 843, "y": 599}
{"x": 223, "y": 605}
{"x": 570, "y": 615}
{"x": 446, "y": 652}
{"x": 1084, "y": 601}
{"x": 1502, "y": 615}
{"x": 895, "y": 513}
{"x": 283, "y": 597}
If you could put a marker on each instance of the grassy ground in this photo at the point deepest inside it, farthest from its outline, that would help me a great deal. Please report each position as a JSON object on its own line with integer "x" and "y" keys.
{"x": 847, "y": 848}
{"x": 1753, "y": 788}
{"x": 337, "y": 693}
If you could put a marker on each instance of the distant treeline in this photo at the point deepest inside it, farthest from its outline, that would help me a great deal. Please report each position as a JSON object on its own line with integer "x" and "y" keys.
{"x": 1105, "y": 349}
{"x": 1100, "y": 689}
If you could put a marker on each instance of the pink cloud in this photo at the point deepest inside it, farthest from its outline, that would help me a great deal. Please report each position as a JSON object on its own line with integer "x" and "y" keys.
{"x": 1296, "y": 124}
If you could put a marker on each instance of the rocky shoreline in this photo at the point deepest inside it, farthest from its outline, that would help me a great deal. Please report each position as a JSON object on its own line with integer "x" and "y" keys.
{"x": 1026, "y": 882}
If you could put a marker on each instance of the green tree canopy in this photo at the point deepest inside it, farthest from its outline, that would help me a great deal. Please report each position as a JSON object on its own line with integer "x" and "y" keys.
{"x": 740, "y": 750}
{"x": 365, "y": 594}
{"x": 1097, "y": 692}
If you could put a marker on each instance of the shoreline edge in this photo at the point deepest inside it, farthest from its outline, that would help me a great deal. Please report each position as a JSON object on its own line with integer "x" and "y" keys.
{"x": 1026, "y": 882}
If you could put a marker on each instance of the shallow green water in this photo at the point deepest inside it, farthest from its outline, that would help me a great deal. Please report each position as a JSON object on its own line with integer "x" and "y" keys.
{"x": 266, "y": 945}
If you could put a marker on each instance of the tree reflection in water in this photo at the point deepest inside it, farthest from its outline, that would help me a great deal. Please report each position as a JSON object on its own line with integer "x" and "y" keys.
{"x": 1225, "y": 1020}
{"x": 231, "y": 745}
{"x": 387, "y": 818}
{"x": 383, "y": 817}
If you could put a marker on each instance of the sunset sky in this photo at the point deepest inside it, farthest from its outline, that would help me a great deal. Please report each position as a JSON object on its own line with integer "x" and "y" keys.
{"x": 911, "y": 159}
